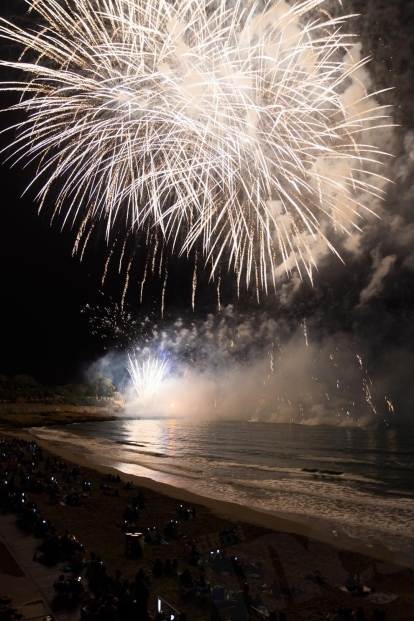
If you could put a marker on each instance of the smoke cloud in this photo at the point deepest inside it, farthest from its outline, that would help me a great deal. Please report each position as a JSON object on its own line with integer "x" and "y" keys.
{"x": 240, "y": 367}
{"x": 252, "y": 360}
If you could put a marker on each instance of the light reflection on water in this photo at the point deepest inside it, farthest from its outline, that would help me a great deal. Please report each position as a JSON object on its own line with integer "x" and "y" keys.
{"x": 362, "y": 479}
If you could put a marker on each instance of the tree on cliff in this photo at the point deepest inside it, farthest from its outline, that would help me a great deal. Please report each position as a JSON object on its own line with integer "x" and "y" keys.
{"x": 101, "y": 386}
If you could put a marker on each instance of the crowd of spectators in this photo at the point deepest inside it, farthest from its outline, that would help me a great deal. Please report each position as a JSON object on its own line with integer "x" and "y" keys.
{"x": 102, "y": 592}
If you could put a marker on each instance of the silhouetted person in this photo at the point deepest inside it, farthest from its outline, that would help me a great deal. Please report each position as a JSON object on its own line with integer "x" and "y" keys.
{"x": 360, "y": 614}
{"x": 142, "y": 594}
{"x": 168, "y": 569}
{"x": 108, "y": 612}
{"x": 186, "y": 579}
{"x": 157, "y": 569}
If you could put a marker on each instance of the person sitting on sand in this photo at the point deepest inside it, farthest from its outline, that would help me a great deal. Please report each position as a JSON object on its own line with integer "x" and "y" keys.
{"x": 65, "y": 543}
{"x": 171, "y": 530}
{"x": 77, "y": 558}
{"x": 7, "y": 612}
{"x": 248, "y": 600}
{"x": 220, "y": 562}
{"x": 61, "y": 586}
{"x": 141, "y": 575}
{"x": 90, "y": 563}
{"x": 194, "y": 554}
{"x": 108, "y": 611}
{"x": 216, "y": 562}
{"x": 236, "y": 565}
{"x": 142, "y": 594}
{"x": 117, "y": 585}
{"x": 76, "y": 588}
{"x": 101, "y": 579}
{"x": 202, "y": 587}
{"x": 319, "y": 577}
{"x": 240, "y": 612}
{"x": 157, "y": 569}
{"x": 360, "y": 614}
{"x": 350, "y": 583}
{"x": 126, "y": 609}
{"x": 358, "y": 584}
{"x": 168, "y": 569}
{"x": 275, "y": 589}
{"x": 258, "y": 602}
{"x": 186, "y": 581}
{"x": 152, "y": 536}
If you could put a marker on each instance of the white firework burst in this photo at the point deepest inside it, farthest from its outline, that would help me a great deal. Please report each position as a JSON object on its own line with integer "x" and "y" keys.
{"x": 223, "y": 128}
{"x": 146, "y": 375}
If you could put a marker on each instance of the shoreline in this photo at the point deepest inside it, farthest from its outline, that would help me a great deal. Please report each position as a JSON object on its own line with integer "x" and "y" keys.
{"x": 58, "y": 416}
{"x": 289, "y": 552}
{"x": 310, "y": 529}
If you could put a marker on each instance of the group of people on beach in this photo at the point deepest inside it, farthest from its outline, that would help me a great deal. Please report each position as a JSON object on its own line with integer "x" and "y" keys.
{"x": 102, "y": 593}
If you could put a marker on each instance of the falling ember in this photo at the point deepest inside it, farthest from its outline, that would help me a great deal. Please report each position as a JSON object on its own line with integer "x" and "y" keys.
{"x": 122, "y": 255}
{"x": 194, "y": 283}
{"x": 126, "y": 282}
{"x": 218, "y": 294}
{"x": 305, "y": 332}
{"x": 143, "y": 280}
{"x": 366, "y": 387}
{"x": 111, "y": 252}
{"x": 86, "y": 241}
{"x": 390, "y": 405}
{"x": 146, "y": 376}
{"x": 163, "y": 292}
{"x": 211, "y": 125}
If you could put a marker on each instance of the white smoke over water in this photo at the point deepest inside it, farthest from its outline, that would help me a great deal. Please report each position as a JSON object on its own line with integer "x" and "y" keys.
{"x": 252, "y": 368}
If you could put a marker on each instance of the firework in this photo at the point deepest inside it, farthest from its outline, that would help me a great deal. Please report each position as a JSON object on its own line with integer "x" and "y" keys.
{"x": 146, "y": 376}
{"x": 213, "y": 129}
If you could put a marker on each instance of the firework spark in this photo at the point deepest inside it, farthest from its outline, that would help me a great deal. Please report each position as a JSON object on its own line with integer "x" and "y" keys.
{"x": 146, "y": 376}
{"x": 213, "y": 127}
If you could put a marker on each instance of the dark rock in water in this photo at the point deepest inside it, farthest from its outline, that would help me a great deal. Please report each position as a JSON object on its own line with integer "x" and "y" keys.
{"x": 315, "y": 470}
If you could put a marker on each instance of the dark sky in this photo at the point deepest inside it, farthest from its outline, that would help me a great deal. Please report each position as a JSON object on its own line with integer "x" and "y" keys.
{"x": 43, "y": 289}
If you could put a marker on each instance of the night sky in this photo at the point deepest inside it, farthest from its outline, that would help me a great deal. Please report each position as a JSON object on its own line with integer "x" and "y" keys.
{"x": 370, "y": 299}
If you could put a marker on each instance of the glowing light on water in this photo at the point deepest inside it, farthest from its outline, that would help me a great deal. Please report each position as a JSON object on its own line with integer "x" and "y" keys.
{"x": 146, "y": 375}
{"x": 214, "y": 128}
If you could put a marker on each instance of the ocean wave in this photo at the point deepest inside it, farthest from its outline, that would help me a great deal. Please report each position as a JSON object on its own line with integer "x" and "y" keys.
{"x": 341, "y": 488}
{"x": 128, "y": 443}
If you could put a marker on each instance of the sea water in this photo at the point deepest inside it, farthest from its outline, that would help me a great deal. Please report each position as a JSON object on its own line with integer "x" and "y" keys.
{"x": 354, "y": 479}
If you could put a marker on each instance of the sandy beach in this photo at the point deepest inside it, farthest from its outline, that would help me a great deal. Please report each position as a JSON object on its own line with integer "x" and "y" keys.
{"x": 289, "y": 550}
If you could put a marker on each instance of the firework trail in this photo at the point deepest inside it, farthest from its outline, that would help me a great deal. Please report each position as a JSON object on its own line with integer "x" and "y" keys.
{"x": 146, "y": 376}
{"x": 211, "y": 128}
